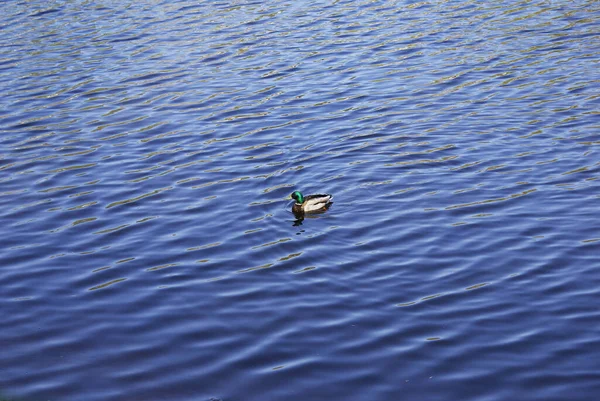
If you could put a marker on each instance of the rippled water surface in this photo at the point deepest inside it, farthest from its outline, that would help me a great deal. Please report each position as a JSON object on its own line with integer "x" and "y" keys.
{"x": 147, "y": 154}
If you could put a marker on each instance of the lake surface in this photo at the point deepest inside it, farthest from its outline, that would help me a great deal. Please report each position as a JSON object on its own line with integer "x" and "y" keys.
{"x": 148, "y": 250}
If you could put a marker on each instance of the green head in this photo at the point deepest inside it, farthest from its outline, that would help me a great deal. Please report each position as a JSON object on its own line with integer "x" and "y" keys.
{"x": 297, "y": 196}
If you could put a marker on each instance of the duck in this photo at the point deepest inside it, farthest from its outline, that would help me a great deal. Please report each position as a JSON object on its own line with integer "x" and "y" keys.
{"x": 310, "y": 203}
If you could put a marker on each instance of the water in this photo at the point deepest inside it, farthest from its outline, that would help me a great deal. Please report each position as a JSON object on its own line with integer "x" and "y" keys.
{"x": 147, "y": 154}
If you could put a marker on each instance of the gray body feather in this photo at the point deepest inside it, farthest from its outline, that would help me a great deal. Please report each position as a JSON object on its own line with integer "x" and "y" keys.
{"x": 313, "y": 203}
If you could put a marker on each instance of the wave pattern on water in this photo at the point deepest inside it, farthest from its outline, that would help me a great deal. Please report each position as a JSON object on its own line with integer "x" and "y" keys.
{"x": 147, "y": 154}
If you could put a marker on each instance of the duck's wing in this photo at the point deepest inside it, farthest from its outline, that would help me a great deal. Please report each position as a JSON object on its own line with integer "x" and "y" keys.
{"x": 316, "y": 202}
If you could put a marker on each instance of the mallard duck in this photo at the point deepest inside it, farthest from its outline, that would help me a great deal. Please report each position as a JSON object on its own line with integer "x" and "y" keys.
{"x": 310, "y": 203}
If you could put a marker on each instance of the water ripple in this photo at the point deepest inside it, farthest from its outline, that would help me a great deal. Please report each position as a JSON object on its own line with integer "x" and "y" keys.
{"x": 147, "y": 155}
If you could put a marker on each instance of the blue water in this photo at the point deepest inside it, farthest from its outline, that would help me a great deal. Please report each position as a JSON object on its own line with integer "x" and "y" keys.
{"x": 148, "y": 150}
